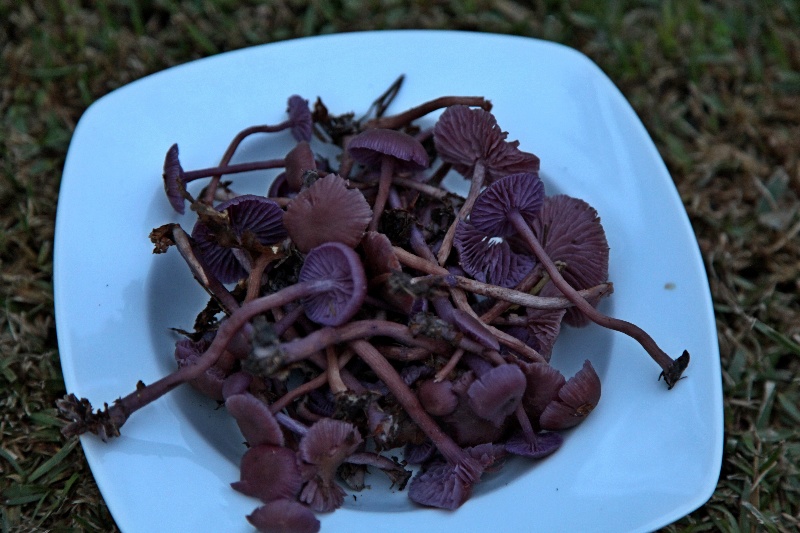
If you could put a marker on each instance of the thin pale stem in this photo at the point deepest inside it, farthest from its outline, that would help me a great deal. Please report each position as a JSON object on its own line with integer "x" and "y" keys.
{"x": 478, "y": 176}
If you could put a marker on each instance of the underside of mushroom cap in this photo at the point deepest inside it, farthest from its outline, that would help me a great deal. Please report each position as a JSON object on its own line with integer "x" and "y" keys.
{"x": 328, "y": 211}
{"x": 464, "y": 135}
{"x": 570, "y": 231}
{"x": 340, "y": 265}
{"x": 490, "y": 259}
{"x": 576, "y": 399}
{"x": 370, "y": 146}
{"x": 249, "y": 215}
{"x": 523, "y": 192}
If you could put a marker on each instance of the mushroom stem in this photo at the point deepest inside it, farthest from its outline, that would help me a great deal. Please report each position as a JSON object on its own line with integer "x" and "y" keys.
{"x": 406, "y": 397}
{"x": 671, "y": 369}
{"x": 443, "y": 372}
{"x": 233, "y": 146}
{"x": 478, "y": 176}
{"x": 232, "y": 169}
{"x": 334, "y": 378}
{"x": 385, "y": 182}
{"x": 116, "y": 415}
{"x": 394, "y": 122}
{"x": 511, "y": 295}
{"x": 302, "y": 348}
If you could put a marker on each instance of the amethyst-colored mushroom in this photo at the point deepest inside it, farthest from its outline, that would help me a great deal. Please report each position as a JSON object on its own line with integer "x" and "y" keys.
{"x": 437, "y": 397}
{"x": 322, "y": 449}
{"x": 496, "y": 394}
{"x": 576, "y": 399}
{"x": 284, "y": 516}
{"x": 490, "y": 258}
{"x": 299, "y": 160}
{"x": 347, "y": 284}
{"x": 471, "y": 140}
{"x": 255, "y": 420}
{"x": 393, "y": 152}
{"x": 570, "y": 232}
{"x": 510, "y": 206}
{"x": 175, "y": 178}
{"x": 325, "y": 212}
{"x": 269, "y": 473}
{"x": 252, "y": 219}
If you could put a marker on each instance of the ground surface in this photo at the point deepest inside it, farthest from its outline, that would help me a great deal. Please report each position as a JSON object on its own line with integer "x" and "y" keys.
{"x": 717, "y": 84}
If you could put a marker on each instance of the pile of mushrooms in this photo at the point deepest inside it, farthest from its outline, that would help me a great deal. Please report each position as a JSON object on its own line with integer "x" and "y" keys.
{"x": 358, "y": 307}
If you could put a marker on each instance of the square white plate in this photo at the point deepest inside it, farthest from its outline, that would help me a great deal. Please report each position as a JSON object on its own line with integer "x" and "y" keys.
{"x": 643, "y": 459}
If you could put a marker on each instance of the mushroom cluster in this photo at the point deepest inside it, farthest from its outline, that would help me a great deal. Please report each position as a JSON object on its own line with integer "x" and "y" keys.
{"x": 358, "y": 307}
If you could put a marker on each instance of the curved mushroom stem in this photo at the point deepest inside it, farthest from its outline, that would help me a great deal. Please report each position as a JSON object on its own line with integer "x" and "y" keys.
{"x": 112, "y": 418}
{"x": 334, "y": 378}
{"x": 394, "y": 122}
{"x": 233, "y": 146}
{"x": 232, "y": 169}
{"x": 443, "y": 372}
{"x": 478, "y": 177}
{"x": 456, "y": 456}
{"x": 671, "y": 369}
{"x": 385, "y": 182}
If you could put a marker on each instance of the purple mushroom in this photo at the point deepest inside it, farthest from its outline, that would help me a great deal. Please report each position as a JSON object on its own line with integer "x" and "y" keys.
{"x": 252, "y": 220}
{"x": 497, "y": 393}
{"x": 576, "y": 399}
{"x": 284, "y": 516}
{"x": 570, "y": 232}
{"x": 510, "y": 206}
{"x": 490, "y": 259}
{"x": 175, "y": 178}
{"x": 328, "y": 211}
{"x": 269, "y": 473}
{"x": 471, "y": 140}
{"x": 393, "y": 152}
{"x": 322, "y": 449}
{"x": 255, "y": 420}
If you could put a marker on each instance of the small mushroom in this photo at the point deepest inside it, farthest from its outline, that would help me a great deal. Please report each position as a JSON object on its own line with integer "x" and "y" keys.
{"x": 439, "y": 486}
{"x": 471, "y": 140}
{"x": 347, "y": 284}
{"x": 392, "y": 151}
{"x": 490, "y": 258}
{"x": 497, "y": 393}
{"x": 327, "y": 211}
{"x": 322, "y": 449}
{"x": 570, "y": 232}
{"x": 576, "y": 399}
{"x": 284, "y": 516}
{"x": 510, "y": 206}
{"x": 269, "y": 473}
{"x": 252, "y": 220}
{"x": 255, "y": 420}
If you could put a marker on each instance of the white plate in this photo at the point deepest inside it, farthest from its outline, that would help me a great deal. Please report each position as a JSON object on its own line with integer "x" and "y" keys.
{"x": 643, "y": 459}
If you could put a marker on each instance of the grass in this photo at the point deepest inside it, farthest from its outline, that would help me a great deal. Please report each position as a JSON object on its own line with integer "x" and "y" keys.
{"x": 715, "y": 83}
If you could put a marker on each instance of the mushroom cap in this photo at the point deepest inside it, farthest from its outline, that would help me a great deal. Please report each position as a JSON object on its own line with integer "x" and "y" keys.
{"x": 210, "y": 382}
{"x": 269, "y": 473}
{"x": 250, "y": 214}
{"x": 298, "y": 160}
{"x": 280, "y": 516}
{"x": 576, "y": 399}
{"x": 439, "y": 486}
{"x": 474, "y": 329}
{"x": 544, "y": 382}
{"x": 437, "y": 397}
{"x": 541, "y": 331}
{"x": 327, "y": 211}
{"x": 523, "y": 192}
{"x": 570, "y": 231}
{"x": 255, "y": 420}
{"x": 300, "y": 116}
{"x": 497, "y": 393}
{"x": 490, "y": 259}
{"x": 464, "y": 135}
{"x": 371, "y": 146}
{"x": 342, "y": 267}
{"x": 542, "y": 445}
{"x": 322, "y": 449}
{"x": 173, "y": 179}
